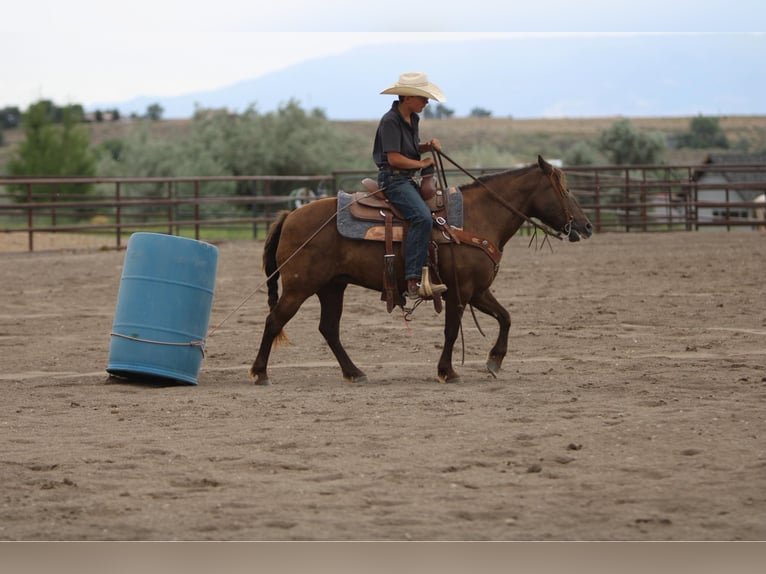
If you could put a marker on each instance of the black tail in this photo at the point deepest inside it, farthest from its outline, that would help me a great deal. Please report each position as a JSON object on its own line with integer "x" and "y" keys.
{"x": 270, "y": 266}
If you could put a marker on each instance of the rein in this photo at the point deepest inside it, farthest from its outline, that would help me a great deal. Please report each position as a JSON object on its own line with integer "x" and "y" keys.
{"x": 544, "y": 228}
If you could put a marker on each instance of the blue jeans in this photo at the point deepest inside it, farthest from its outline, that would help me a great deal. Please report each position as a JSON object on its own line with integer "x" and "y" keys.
{"x": 402, "y": 193}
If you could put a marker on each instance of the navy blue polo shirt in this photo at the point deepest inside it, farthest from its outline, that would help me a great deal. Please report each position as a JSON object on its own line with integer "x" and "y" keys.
{"x": 394, "y": 134}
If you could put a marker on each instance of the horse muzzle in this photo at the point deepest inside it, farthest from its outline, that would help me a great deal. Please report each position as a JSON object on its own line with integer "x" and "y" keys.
{"x": 575, "y": 230}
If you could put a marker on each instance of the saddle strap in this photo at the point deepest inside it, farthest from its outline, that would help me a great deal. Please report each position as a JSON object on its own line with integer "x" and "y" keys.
{"x": 445, "y": 228}
{"x": 461, "y": 236}
{"x": 389, "y": 269}
{"x": 433, "y": 270}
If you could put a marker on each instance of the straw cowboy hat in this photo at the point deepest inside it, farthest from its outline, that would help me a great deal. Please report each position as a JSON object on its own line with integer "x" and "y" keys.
{"x": 416, "y": 84}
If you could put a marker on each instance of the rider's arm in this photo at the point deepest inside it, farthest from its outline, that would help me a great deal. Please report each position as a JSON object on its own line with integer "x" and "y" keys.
{"x": 395, "y": 159}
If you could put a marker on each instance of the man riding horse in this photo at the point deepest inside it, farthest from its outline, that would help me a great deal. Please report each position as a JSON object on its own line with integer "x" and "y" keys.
{"x": 396, "y": 152}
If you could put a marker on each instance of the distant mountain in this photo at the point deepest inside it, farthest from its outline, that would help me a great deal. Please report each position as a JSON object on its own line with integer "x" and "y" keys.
{"x": 632, "y": 76}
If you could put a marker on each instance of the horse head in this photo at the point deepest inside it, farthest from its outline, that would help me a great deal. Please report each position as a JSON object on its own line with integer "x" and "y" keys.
{"x": 554, "y": 205}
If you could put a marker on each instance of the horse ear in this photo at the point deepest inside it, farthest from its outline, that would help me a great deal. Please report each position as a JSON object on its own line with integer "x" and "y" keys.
{"x": 544, "y": 165}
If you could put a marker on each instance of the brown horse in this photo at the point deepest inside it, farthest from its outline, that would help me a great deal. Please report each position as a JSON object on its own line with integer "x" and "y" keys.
{"x": 305, "y": 248}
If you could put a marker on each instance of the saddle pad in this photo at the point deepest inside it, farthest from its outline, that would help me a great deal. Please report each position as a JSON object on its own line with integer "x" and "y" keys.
{"x": 349, "y": 226}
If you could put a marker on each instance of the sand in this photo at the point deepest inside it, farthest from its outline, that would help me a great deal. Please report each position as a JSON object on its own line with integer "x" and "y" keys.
{"x": 630, "y": 407}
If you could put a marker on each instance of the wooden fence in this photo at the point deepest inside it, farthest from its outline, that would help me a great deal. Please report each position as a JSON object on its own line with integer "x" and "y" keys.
{"x": 616, "y": 198}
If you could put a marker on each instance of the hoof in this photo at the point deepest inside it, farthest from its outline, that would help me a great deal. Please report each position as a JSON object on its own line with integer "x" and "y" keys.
{"x": 493, "y": 367}
{"x": 361, "y": 379}
{"x": 261, "y": 380}
{"x": 453, "y": 380}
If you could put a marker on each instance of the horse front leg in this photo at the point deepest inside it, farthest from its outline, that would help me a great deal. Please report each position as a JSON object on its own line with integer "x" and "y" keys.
{"x": 331, "y": 300}
{"x": 486, "y": 303}
{"x": 452, "y": 317}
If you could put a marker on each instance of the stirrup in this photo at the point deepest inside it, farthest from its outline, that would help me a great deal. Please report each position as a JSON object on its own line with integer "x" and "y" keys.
{"x": 428, "y": 290}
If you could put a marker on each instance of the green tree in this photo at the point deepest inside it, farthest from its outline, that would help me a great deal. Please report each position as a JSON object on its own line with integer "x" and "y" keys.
{"x": 704, "y": 133}
{"x": 140, "y": 155}
{"x": 10, "y": 118}
{"x": 111, "y": 148}
{"x": 443, "y": 111}
{"x": 480, "y": 113}
{"x": 290, "y": 141}
{"x": 75, "y": 110}
{"x": 623, "y": 144}
{"x": 583, "y": 153}
{"x": 438, "y": 112}
{"x": 154, "y": 112}
{"x": 54, "y": 150}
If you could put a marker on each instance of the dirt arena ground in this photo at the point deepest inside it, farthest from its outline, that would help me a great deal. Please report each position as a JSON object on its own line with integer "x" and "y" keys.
{"x": 631, "y": 407}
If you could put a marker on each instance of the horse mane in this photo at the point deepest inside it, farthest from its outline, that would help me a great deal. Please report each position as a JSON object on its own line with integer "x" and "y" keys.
{"x": 486, "y": 179}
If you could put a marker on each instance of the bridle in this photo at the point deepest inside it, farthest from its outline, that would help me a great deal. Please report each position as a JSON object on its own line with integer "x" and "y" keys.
{"x": 562, "y": 193}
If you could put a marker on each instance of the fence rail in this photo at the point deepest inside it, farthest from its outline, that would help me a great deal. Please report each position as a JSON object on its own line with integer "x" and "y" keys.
{"x": 616, "y": 198}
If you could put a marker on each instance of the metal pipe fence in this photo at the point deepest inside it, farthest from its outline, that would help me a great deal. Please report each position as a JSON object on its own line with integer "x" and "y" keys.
{"x": 642, "y": 198}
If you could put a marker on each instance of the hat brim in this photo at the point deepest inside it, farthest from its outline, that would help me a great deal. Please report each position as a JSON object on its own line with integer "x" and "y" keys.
{"x": 431, "y": 92}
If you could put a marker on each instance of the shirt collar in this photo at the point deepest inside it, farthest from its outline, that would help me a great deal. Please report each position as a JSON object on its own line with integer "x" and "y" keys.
{"x": 414, "y": 118}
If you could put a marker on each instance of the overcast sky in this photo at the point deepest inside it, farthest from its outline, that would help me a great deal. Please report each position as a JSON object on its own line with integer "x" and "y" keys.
{"x": 88, "y": 51}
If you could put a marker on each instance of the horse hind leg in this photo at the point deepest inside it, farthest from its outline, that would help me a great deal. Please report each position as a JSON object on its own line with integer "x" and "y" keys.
{"x": 331, "y": 300}
{"x": 273, "y": 334}
{"x": 445, "y": 372}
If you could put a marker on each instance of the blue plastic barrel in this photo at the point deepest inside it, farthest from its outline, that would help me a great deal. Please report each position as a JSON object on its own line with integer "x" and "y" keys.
{"x": 163, "y": 308}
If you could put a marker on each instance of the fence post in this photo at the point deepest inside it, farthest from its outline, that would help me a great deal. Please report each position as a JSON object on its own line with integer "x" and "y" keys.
{"x": 252, "y": 191}
{"x": 597, "y": 200}
{"x": 668, "y": 201}
{"x": 688, "y": 200}
{"x": 118, "y": 214}
{"x": 694, "y": 196}
{"x": 642, "y": 199}
{"x": 727, "y": 212}
{"x": 53, "y": 195}
{"x": 196, "y": 209}
{"x": 30, "y": 218}
{"x": 170, "y": 208}
{"x": 627, "y": 200}
{"x": 266, "y": 206}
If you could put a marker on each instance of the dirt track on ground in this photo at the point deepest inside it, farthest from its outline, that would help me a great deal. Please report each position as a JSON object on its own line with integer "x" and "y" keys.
{"x": 630, "y": 407}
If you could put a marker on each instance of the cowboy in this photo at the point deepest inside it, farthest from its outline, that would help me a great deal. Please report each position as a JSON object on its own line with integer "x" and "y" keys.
{"x": 396, "y": 152}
